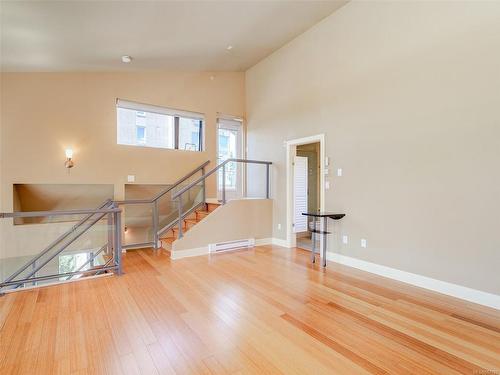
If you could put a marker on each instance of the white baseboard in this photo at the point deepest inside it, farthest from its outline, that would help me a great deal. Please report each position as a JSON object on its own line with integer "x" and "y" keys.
{"x": 212, "y": 200}
{"x": 272, "y": 241}
{"x": 204, "y": 250}
{"x": 454, "y": 290}
{"x": 280, "y": 242}
{"x": 179, "y": 254}
{"x": 197, "y": 251}
{"x": 263, "y": 241}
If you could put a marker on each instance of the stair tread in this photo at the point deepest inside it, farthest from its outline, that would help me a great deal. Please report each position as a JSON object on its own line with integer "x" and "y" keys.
{"x": 173, "y": 236}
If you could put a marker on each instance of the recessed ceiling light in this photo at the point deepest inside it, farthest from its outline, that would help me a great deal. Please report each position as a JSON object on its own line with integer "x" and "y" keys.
{"x": 126, "y": 59}
{"x": 229, "y": 48}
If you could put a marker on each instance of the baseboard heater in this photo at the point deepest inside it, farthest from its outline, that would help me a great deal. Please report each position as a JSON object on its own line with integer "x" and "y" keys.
{"x": 231, "y": 245}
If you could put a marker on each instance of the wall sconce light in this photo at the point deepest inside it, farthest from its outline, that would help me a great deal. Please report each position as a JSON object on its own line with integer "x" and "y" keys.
{"x": 69, "y": 158}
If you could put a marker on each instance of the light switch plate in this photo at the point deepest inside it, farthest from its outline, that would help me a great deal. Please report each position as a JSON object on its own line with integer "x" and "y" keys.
{"x": 364, "y": 243}
{"x": 339, "y": 172}
{"x": 327, "y": 185}
{"x": 130, "y": 178}
{"x": 345, "y": 239}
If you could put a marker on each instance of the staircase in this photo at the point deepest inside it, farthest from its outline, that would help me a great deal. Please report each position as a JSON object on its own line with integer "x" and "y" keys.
{"x": 189, "y": 222}
{"x": 93, "y": 245}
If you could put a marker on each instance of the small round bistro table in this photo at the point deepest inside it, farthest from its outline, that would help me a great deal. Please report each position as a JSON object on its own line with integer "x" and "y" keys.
{"x": 324, "y": 233}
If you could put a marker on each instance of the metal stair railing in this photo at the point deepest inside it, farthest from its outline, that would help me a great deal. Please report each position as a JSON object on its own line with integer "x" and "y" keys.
{"x": 178, "y": 195}
{"x": 157, "y": 231}
{"x": 90, "y": 261}
{"x": 106, "y": 203}
{"x": 92, "y": 217}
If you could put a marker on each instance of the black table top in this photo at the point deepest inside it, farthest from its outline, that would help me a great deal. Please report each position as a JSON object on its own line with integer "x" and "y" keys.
{"x": 331, "y": 215}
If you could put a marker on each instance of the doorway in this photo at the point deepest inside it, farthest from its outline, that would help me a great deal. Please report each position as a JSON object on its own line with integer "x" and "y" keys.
{"x": 305, "y": 187}
{"x": 230, "y": 146}
{"x": 306, "y": 191}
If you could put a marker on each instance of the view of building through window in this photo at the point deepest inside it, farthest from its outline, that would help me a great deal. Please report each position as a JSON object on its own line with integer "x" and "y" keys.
{"x": 150, "y": 128}
{"x": 145, "y": 128}
{"x": 189, "y": 134}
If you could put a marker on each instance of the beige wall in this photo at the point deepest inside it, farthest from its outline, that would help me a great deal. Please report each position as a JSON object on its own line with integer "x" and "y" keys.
{"x": 407, "y": 94}
{"x": 44, "y": 113}
{"x": 237, "y": 220}
{"x": 2, "y": 207}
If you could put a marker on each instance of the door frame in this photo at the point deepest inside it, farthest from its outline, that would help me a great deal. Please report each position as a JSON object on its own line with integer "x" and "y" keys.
{"x": 291, "y": 152}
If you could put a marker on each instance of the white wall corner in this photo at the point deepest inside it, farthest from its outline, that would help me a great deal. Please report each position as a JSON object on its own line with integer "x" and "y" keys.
{"x": 454, "y": 290}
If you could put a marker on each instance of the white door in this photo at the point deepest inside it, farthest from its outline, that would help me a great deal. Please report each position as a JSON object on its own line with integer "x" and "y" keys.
{"x": 300, "y": 193}
{"x": 230, "y": 146}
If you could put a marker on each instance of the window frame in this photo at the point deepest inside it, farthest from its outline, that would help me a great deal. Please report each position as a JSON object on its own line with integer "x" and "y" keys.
{"x": 176, "y": 114}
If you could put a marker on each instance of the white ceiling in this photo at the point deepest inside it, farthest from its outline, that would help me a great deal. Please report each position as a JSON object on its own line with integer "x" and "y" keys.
{"x": 93, "y": 35}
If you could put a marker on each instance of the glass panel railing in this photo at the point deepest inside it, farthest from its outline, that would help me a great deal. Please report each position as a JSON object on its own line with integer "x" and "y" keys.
{"x": 168, "y": 209}
{"x": 255, "y": 180}
{"x": 192, "y": 199}
{"x": 147, "y": 217}
{"x": 189, "y": 201}
{"x": 230, "y": 179}
{"x": 138, "y": 226}
{"x": 186, "y": 182}
{"x": 79, "y": 244}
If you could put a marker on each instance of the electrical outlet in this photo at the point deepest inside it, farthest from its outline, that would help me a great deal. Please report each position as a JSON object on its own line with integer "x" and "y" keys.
{"x": 131, "y": 178}
{"x": 364, "y": 243}
{"x": 345, "y": 239}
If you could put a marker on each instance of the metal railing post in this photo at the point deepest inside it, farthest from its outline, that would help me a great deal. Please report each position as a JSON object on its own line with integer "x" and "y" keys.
{"x": 34, "y": 275}
{"x": 155, "y": 224}
{"x": 179, "y": 235}
{"x": 109, "y": 250}
{"x": 118, "y": 243}
{"x": 204, "y": 186}
{"x": 224, "y": 184}
{"x": 267, "y": 181}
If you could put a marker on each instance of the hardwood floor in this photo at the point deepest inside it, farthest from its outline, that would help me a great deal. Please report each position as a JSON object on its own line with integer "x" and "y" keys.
{"x": 260, "y": 311}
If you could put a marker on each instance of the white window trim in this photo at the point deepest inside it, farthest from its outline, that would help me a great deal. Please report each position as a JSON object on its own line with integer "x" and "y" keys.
{"x": 157, "y": 109}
